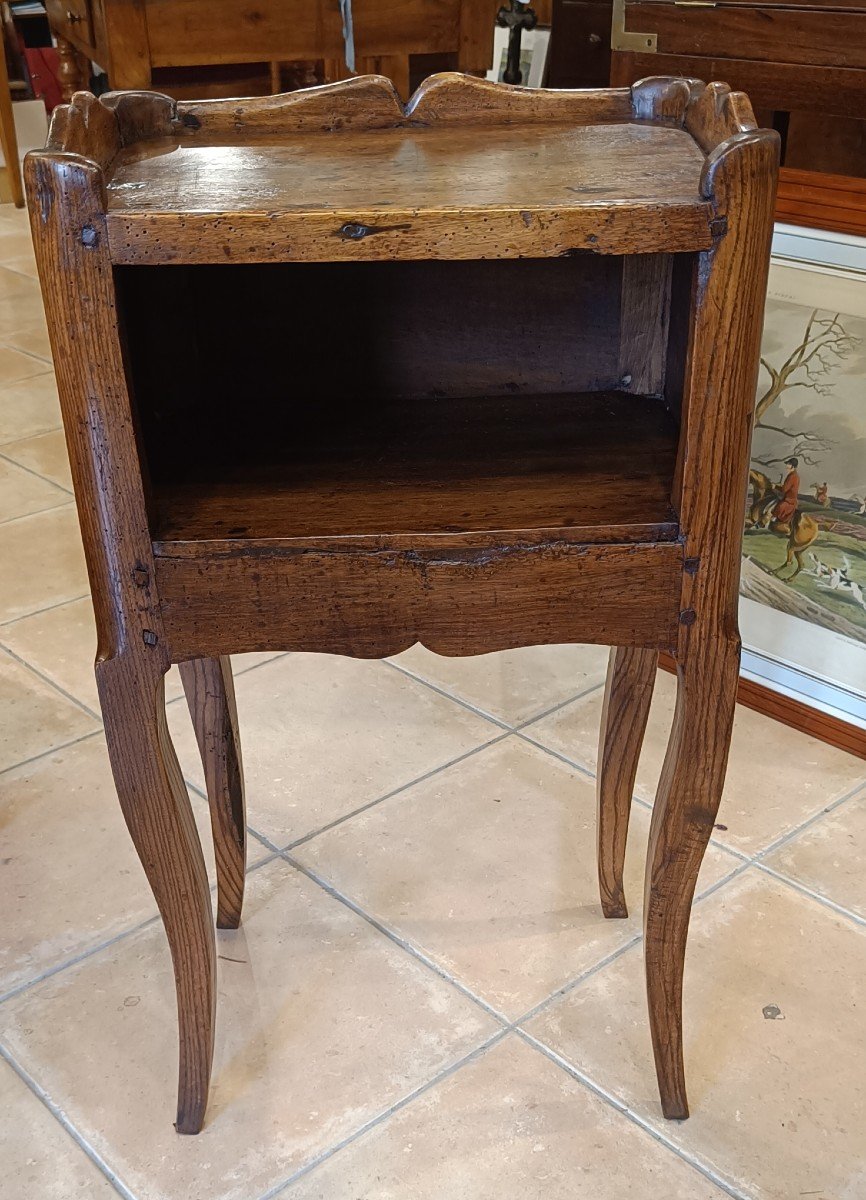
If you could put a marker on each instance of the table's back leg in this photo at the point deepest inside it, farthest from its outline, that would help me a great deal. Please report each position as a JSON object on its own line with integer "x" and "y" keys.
{"x": 210, "y": 694}
{"x": 628, "y": 691}
{"x": 688, "y": 797}
{"x": 157, "y": 809}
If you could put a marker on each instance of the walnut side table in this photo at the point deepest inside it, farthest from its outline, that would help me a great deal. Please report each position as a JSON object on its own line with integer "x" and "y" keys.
{"x": 343, "y": 375}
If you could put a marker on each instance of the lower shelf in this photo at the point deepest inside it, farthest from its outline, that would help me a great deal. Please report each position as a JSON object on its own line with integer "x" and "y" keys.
{"x": 598, "y": 466}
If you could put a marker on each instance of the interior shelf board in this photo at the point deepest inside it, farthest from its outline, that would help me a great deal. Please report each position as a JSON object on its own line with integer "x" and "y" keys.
{"x": 581, "y": 467}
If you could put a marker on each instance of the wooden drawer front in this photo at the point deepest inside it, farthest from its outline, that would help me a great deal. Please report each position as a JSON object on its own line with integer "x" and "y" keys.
{"x": 766, "y": 32}
{"x": 454, "y": 600}
{"x": 71, "y": 18}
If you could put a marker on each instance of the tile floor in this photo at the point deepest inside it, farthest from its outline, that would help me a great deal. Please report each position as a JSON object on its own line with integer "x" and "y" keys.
{"x": 423, "y": 1000}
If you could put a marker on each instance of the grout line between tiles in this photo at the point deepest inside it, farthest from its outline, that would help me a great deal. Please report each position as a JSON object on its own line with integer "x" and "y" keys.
{"x": 384, "y": 1115}
{"x": 26, "y": 762}
{"x": 402, "y": 942}
{"x": 308, "y": 837}
{"x": 54, "y": 686}
{"x": 48, "y": 608}
{"x": 98, "y": 947}
{"x": 785, "y": 838}
{"x": 571, "y": 984}
{"x": 36, "y": 512}
{"x": 57, "y": 1112}
{"x": 483, "y": 712}
{"x": 440, "y": 691}
{"x": 569, "y": 762}
{"x": 68, "y": 493}
{"x": 824, "y": 901}
{"x": 641, "y": 1122}
{"x": 548, "y": 712}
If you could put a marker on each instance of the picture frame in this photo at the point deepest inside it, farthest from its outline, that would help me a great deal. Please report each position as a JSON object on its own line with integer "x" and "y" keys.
{"x": 804, "y": 630}
{"x": 534, "y": 49}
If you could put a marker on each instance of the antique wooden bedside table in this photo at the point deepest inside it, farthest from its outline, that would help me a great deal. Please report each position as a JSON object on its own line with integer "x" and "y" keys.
{"x": 339, "y": 375}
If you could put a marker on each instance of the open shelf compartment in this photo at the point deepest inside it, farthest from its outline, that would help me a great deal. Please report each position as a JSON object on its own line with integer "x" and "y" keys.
{"x": 386, "y": 401}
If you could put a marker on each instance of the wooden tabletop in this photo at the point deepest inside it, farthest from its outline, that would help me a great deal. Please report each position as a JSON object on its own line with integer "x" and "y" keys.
{"x": 467, "y": 169}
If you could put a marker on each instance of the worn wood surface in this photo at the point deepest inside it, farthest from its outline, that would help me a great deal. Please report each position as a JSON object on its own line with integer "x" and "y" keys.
{"x": 453, "y": 599}
{"x": 210, "y": 694}
{"x": 602, "y": 463}
{"x": 375, "y": 499}
{"x": 440, "y": 193}
{"x": 628, "y": 691}
{"x": 66, "y": 200}
{"x": 220, "y": 181}
{"x": 719, "y": 391}
{"x": 645, "y": 316}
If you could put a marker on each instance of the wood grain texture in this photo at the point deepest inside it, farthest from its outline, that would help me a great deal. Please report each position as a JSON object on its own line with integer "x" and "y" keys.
{"x": 795, "y": 34}
{"x": 770, "y": 84}
{"x": 86, "y": 127}
{"x": 597, "y": 467}
{"x": 66, "y": 209}
{"x": 210, "y": 695}
{"x": 720, "y": 379}
{"x": 821, "y": 201}
{"x": 644, "y": 322}
{"x": 8, "y": 138}
{"x": 198, "y": 199}
{"x": 339, "y": 599}
{"x": 156, "y": 806}
{"x": 628, "y": 692}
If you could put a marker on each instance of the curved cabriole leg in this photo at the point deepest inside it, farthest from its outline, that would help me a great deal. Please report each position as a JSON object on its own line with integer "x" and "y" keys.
{"x": 631, "y": 674}
{"x": 210, "y": 694}
{"x": 156, "y": 806}
{"x": 689, "y": 793}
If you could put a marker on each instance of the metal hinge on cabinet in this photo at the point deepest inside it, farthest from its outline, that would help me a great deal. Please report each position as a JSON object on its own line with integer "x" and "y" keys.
{"x": 641, "y": 43}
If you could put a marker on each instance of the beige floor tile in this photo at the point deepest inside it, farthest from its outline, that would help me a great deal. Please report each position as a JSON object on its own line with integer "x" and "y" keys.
{"x": 15, "y": 242}
{"x": 828, "y": 856}
{"x": 22, "y": 493}
{"x": 61, "y": 643}
{"x": 49, "y": 562}
{"x": 489, "y": 867}
{"x": 35, "y": 717}
{"x": 15, "y": 366}
{"x": 777, "y": 777}
{"x": 778, "y": 1105}
{"x": 29, "y": 408}
{"x": 323, "y": 1023}
{"x": 21, "y": 303}
{"x": 30, "y": 339}
{"x": 510, "y": 1125}
{"x": 69, "y": 870}
{"x": 24, "y": 265}
{"x": 323, "y": 735}
{"x": 40, "y": 1159}
{"x": 513, "y": 685}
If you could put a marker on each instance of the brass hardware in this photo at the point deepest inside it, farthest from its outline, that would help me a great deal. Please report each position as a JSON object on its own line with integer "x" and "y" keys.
{"x": 641, "y": 43}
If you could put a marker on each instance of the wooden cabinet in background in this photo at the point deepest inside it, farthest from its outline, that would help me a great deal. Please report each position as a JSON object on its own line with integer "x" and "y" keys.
{"x": 803, "y": 65}
{"x": 178, "y": 45}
